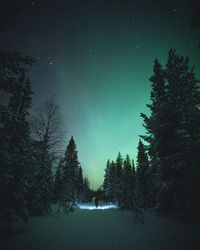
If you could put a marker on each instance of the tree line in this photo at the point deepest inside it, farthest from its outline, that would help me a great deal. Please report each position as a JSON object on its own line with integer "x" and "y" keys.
{"x": 29, "y": 148}
{"x": 167, "y": 173}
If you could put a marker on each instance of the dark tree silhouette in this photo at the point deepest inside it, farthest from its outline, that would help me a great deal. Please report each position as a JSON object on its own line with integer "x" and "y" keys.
{"x": 173, "y": 134}
{"x": 111, "y": 181}
{"x": 14, "y": 135}
{"x": 46, "y": 126}
{"x": 142, "y": 187}
{"x": 128, "y": 184}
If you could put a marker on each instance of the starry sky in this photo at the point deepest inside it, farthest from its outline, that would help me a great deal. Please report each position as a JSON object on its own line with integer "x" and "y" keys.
{"x": 97, "y": 56}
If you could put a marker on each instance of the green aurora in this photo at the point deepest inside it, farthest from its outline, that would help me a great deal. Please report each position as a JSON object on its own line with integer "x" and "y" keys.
{"x": 97, "y": 57}
{"x": 105, "y": 87}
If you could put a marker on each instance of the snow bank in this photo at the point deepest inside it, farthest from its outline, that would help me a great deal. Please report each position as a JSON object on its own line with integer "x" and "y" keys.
{"x": 109, "y": 229}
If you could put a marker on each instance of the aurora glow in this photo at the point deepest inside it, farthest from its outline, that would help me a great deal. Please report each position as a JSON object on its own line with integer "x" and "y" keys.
{"x": 106, "y": 83}
{"x": 97, "y": 57}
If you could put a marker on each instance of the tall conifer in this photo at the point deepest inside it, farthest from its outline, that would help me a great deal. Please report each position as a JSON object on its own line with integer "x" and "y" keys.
{"x": 14, "y": 136}
{"x": 173, "y": 134}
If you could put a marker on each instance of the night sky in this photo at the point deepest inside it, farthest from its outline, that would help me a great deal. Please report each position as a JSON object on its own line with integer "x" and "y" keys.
{"x": 97, "y": 56}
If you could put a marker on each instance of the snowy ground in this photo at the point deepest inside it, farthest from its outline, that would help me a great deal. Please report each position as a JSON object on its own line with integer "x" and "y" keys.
{"x": 108, "y": 229}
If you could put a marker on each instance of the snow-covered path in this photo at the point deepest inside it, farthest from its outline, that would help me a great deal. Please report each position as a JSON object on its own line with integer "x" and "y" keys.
{"x": 110, "y": 229}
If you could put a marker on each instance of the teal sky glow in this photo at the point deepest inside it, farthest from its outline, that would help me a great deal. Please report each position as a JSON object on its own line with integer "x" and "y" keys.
{"x": 105, "y": 87}
{"x": 97, "y": 57}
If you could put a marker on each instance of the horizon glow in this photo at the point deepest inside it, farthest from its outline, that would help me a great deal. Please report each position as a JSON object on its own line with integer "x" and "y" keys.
{"x": 102, "y": 207}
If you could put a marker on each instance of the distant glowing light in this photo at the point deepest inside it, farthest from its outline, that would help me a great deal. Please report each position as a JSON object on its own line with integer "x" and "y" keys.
{"x": 91, "y": 207}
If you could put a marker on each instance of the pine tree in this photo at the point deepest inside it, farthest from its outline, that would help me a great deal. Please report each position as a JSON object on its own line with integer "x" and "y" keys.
{"x": 173, "y": 134}
{"x": 181, "y": 172}
{"x": 155, "y": 126}
{"x": 70, "y": 170}
{"x": 127, "y": 170}
{"x": 118, "y": 183}
{"x": 110, "y": 182}
{"x": 133, "y": 174}
{"x": 142, "y": 171}
{"x": 106, "y": 178}
{"x": 69, "y": 186}
{"x": 79, "y": 185}
{"x": 113, "y": 181}
{"x": 127, "y": 185}
{"x": 159, "y": 113}
{"x": 14, "y": 136}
